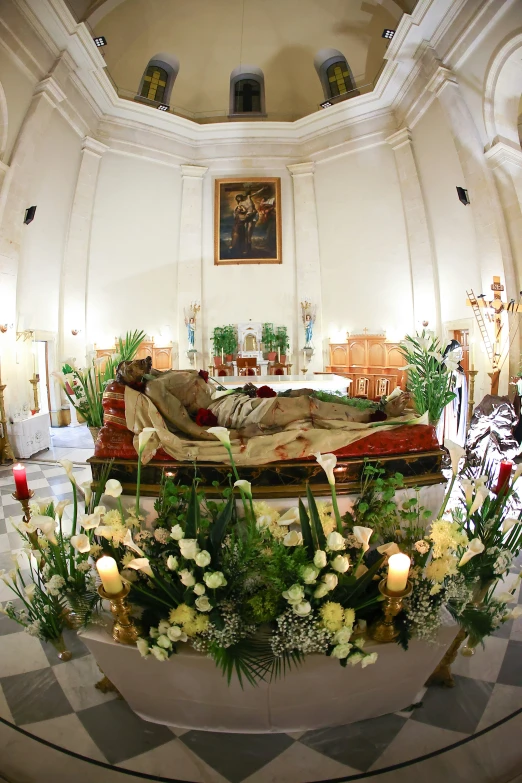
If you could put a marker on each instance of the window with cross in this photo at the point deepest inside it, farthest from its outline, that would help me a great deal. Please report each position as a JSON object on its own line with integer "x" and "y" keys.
{"x": 339, "y": 78}
{"x": 247, "y": 96}
{"x": 154, "y": 84}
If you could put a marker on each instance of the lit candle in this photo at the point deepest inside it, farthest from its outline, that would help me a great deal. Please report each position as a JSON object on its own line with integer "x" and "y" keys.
{"x": 398, "y": 570}
{"x": 279, "y": 355}
{"x": 109, "y": 574}
{"x": 504, "y": 474}
{"x": 22, "y": 490}
{"x": 222, "y": 355}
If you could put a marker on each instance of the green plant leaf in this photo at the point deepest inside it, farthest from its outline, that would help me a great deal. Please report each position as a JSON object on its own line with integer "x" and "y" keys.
{"x": 308, "y": 539}
{"x": 219, "y": 528}
{"x": 316, "y": 520}
{"x": 193, "y": 514}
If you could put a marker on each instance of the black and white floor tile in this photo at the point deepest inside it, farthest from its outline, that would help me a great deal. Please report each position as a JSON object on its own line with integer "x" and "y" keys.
{"x": 57, "y": 702}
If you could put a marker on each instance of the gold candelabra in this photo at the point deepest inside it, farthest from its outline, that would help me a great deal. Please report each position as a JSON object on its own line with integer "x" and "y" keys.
{"x": 34, "y": 381}
{"x": 25, "y": 503}
{"x": 125, "y": 630}
{"x": 471, "y": 400}
{"x": 6, "y": 452}
{"x": 384, "y": 629}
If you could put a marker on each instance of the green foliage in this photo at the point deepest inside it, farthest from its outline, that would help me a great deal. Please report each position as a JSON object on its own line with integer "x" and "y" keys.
{"x": 343, "y": 399}
{"x": 281, "y": 339}
{"x": 376, "y": 507}
{"x": 268, "y": 337}
{"x": 429, "y": 381}
{"x": 224, "y": 338}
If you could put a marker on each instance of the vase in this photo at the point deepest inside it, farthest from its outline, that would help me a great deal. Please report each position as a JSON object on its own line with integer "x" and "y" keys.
{"x": 94, "y": 432}
{"x": 80, "y": 608}
{"x": 61, "y": 648}
{"x": 478, "y": 598}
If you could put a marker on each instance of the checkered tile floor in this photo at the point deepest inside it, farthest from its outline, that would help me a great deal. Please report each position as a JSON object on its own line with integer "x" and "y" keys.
{"x": 58, "y": 702}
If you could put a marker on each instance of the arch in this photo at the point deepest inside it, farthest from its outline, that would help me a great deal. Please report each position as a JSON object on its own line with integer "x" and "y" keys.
{"x": 334, "y": 73}
{"x": 247, "y": 91}
{"x": 3, "y": 123}
{"x": 158, "y": 78}
{"x": 502, "y": 93}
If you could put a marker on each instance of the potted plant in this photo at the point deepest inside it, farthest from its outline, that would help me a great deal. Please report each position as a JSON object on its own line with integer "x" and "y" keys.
{"x": 282, "y": 343}
{"x": 268, "y": 337}
{"x": 230, "y": 342}
{"x": 218, "y": 343}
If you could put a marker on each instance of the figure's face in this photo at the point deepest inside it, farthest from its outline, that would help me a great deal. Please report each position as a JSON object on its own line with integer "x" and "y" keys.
{"x": 133, "y": 372}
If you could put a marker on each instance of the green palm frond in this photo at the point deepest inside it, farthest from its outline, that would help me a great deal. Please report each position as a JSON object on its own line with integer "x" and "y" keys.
{"x": 252, "y": 660}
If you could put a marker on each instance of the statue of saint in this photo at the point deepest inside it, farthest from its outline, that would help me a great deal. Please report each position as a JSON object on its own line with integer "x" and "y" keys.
{"x": 309, "y": 329}
{"x": 191, "y": 331}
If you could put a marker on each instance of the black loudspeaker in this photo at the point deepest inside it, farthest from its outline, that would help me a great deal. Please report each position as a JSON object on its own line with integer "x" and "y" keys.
{"x": 29, "y": 215}
{"x": 463, "y": 196}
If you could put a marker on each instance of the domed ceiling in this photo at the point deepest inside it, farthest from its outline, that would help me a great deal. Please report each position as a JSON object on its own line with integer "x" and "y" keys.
{"x": 284, "y": 39}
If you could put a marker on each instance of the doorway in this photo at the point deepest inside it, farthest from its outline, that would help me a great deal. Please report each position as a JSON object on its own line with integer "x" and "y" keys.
{"x": 462, "y": 337}
{"x": 41, "y": 368}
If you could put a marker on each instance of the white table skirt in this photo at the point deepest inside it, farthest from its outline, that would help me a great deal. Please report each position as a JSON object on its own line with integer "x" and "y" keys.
{"x": 189, "y": 692}
{"x": 325, "y": 382}
{"x": 30, "y": 436}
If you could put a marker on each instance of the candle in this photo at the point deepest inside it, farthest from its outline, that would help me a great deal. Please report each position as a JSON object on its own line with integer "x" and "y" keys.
{"x": 504, "y": 474}
{"x": 22, "y": 490}
{"x": 472, "y": 355}
{"x": 108, "y": 571}
{"x": 398, "y": 570}
{"x": 222, "y": 355}
{"x": 279, "y": 355}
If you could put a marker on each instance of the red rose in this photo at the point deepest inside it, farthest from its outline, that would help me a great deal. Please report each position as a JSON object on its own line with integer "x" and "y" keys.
{"x": 205, "y": 418}
{"x": 203, "y": 374}
{"x": 266, "y": 391}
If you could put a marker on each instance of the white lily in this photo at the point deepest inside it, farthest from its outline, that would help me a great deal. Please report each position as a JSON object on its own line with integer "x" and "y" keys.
{"x": 244, "y": 486}
{"x": 475, "y": 547}
{"x": 129, "y": 543}
{"x": 509, "y": 522}
{"x": 113, "y": 488}
{"x": 81, "y": 542}
{"x": 60, "y": 507}
{"x": 424, "y": 342}
{"x": 141, "y": 564}
{"x": 222, "y": 434}
{"x": 363, "y": 535}
{"x": 290, "y": 517}
{"x": 87, "y": 491}
{"x": 468, "y": 487}
{"x": 328, "y": 463}
{"x": 105, "y": 531}
{"x": 68, "y": 467}
{"x": 456, "y": 453}
{"x": 100, "y": 511}
{"x": 43, "y": 504}
{"x": 395, "y": 393}
{"x": 144, "y": 437}
{"x": 29, "y": 592}
{"x": 48, "y": 527}
{"x": 90, "y": 521}
{"x": 480, "y": 497}
{"x": 388, "y": 549}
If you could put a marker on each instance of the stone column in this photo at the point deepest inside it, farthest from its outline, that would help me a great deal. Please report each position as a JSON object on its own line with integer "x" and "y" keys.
{"x": 308, "y": 259}
{"x": 426, "y": 302}
{"x": 190, "y": 259}
{"x": 76, "y": 257}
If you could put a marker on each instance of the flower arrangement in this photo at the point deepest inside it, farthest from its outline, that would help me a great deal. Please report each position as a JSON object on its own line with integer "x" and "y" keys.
{"x": 430, "y": 378}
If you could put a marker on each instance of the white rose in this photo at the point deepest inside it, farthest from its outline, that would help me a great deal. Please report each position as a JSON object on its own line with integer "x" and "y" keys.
{"x": 143, "y": 647}
{"x": 294, "y": 594}
{"x": 355, "y": 658}
{"x": 293, "y": 538}
{"x": 214, "y": 580}
{"x": 189, "y": 548}
{"x": 199, "y": 589}
{"x": 335, "y": 542}
{"x": 163, "y": 627}
{"x": 202, "y": 558}
{"x": 321, "y": 590}
{"x": 341, "y": 564}
{"x": 164, "y": 641}
{"x": 187, "y": 578}
{"x": 320, "y": 558}
{"x": 172, "y": 562}
{"x": 515, "y": 613}
{"x": 153, "y": 633}
{"x": 310, "y": 574}
{"x": 302, "y": 609}
{"x": 330, "y": 581}
{"x": 159, "y": 653}
{"x": 177, "y": 533}
{"x": 203, "y": 604}
{"x": 369, "y": 659}
{"x": 175, "y": 634}
{"x": 360, "y": 642}
{"x": 342, "y": 636}
{"x": 341, "y": 651}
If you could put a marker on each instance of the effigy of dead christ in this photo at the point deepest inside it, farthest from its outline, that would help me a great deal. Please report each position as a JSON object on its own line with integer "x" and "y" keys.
{"x": 273, "y": 437}
{"x": 492, "y": 430}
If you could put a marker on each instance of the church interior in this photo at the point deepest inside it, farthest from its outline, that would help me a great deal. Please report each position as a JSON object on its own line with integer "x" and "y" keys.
{"x": 260, "y": 391}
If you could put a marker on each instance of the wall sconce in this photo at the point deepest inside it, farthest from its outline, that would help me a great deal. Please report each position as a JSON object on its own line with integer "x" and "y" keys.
{"x": 74, "y": 332}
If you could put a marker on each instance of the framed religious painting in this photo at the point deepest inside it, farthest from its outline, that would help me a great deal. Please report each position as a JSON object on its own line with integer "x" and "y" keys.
{"x": 247, "y": 221}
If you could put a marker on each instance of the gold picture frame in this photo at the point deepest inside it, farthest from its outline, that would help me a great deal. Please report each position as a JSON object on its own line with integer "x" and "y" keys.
{"x": 247, "y": 221}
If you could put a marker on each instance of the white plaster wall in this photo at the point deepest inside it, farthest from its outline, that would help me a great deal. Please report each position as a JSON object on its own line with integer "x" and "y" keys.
{"x": 365, "y": 266}
{"x": 134, "y": 246}
{"x": 51, "y": 189}
{"x": 18, "y": 89}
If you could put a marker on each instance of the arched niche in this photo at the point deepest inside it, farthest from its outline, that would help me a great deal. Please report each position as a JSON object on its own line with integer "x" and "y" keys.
{"x": 503, "y": 91}
{"x": 168, "y": 65}
{"x": 324, "y": 61}
{"x": 247, "y": 75}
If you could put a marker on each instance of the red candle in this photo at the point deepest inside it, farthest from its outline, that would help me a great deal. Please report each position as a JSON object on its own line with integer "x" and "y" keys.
{"x": 504, "y": 474}
{"x": 22, "y": 490}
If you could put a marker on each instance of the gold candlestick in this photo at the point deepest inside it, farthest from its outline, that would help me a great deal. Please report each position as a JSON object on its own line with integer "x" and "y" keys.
{"x": 125, "y": 630}
{"x": 24, "y": 502}
{"x": 471, "y": 400}
{"x": 384, "y": 630}
{"x": 6, "y": 452}
{"x": 34, "y": 381}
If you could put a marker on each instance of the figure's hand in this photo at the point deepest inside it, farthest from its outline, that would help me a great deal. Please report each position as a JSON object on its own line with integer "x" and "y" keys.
{"x": 397, "y": 406}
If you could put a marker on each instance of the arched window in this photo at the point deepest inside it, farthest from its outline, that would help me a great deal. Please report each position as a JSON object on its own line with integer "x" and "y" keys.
{"x": 335, "y": 74}
{"x": 158, "y": 79}
{"x": 247, "y": 91}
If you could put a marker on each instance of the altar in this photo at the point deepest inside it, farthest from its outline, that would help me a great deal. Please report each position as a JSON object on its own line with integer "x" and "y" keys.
{"x": 329, "y": 382}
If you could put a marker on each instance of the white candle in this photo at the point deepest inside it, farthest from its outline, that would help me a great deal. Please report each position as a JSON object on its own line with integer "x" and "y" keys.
{"x": 222, "y": 354}
{"x": 109, "y": 574}
{"x": 279, "y": 355}
{"x": 398, "y": 570}
{"x": 472, "y": 355}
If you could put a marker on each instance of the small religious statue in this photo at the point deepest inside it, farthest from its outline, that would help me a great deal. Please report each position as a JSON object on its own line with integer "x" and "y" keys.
{"x": 190, "y": 323}
{"x": 308, "y": 316}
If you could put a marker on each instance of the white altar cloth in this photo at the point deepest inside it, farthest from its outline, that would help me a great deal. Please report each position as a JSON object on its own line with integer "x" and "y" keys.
{"x": 188, "y": 691}
{"x": 326, "y": 382}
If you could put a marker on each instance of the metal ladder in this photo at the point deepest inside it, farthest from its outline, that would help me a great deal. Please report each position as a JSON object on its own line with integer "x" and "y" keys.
{"x": 482, "y": 326}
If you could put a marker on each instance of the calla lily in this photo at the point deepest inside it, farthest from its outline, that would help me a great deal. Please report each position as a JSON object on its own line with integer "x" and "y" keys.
{"x": 363, "y": 535}
{"x": 100, "y": 511}
{"x": 90, "y": 522}
{"x": 87, "y": 491}
{"x": 480, "y": 497}
{"x": 144, "y": 437}
{"x": 29, "y": 591}
{"x": 456, "y": 453}
{"x": 141, "y": 564}
{"x": 81, "y": 542}
{"x": 47, "y": 527}
{"x": 222, "y": 434}
{"x": 129, "y": 543}
{"x": 517, "y": 474}
{"x": 244, "y": 486}
{"x": 105, "y": 531}
{"x": 113, "y": 488}
{"x": 68, "y": 467}
{"x": 328, "y": 463}
{"x": 509, "y": 522}
{"x": 467, "y": 486}
{"x": 475, "y": 547}
{"x": 395, "y": 393}
{"x": 290, "y": 517}
{"x": 388, "y": 549}
{"x": 43, "y": 504}
{"x": 60, "y": 507}
{"x": 27, "y": 527}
